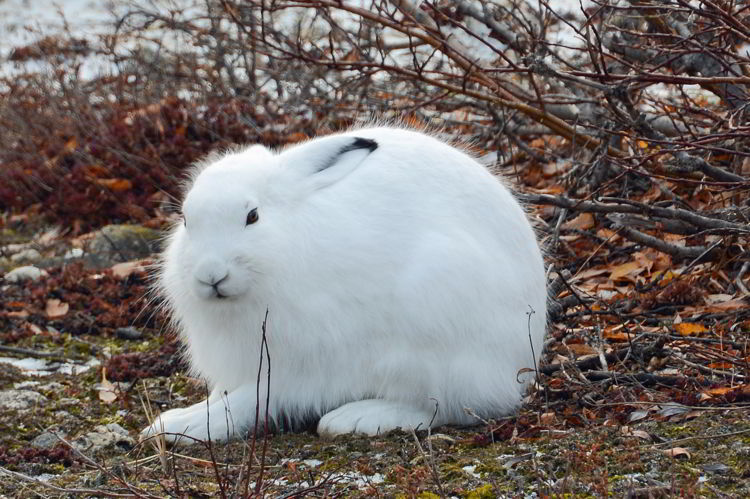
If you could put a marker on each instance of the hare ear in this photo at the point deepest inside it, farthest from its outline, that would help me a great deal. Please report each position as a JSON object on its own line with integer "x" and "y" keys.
{"x": 322, "y": 162}
{"x": 258, "y": 152}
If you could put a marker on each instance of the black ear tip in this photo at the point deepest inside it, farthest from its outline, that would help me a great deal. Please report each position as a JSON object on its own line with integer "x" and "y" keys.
{"x": 354, "y": 144}
{"x": 360, "y": 143}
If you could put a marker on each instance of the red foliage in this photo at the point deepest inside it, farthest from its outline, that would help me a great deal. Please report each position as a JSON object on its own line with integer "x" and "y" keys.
{"x": 106, "y": 164}
{"x": 130, "y": 366}
{"x": 59, "y": 454}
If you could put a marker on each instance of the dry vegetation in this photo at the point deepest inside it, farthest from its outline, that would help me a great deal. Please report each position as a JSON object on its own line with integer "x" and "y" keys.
{"x": 629, "y": 138}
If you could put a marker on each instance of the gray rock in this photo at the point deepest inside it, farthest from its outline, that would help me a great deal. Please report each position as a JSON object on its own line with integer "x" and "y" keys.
{"x": 28, "y": 255}
{"x": 27, "y": 385}
{"x": 718, "y": 468}
{"x": 68, "y": 401}
{"x": 63, "y": 416}
{"x": 102, "y": 437}
{"x": 123, "y": 243}
{"x": 23, "y": 274}
{"x": 73, "y": 253}
{"x": 46, "y": 440}
{"x": 18, "y": 400}
{"x": 52, "y": 386}
{"x": 128, "y": 333}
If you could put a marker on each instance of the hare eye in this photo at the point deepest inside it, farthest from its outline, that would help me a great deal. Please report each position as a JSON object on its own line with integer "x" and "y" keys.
{"x": 252, "y": 217}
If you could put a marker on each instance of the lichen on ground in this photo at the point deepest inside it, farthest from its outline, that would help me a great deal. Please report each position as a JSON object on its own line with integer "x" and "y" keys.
{"x": 83, "y": 383}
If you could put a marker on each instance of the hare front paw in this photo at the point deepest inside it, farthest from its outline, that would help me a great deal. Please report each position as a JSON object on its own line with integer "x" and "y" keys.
{"x": 185, "y": 425}
{"x": 373, "y": 417}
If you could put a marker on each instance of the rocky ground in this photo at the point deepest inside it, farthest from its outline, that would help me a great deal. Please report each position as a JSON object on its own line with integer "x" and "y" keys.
{"x": 643, "y": 388}
{"x": 81, "y": 349}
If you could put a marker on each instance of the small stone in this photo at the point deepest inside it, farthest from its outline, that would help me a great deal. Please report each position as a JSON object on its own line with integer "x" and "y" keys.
{"x": 27, "y": 255}
{"x": 718, "y": 468}
{"x": 17, "y": 400}
{"x": 73, "y": 253}
{"x": 23, "y": 274}
{"x": 128, "y": 333}
{"x": 63, "y": 416}
{"x": 46, "y": 440}
{"x": 26, "y": 385}
{"x": 122, "y": 243}
{"x": 102, "y": 437}
{"x": 52, "y": 386}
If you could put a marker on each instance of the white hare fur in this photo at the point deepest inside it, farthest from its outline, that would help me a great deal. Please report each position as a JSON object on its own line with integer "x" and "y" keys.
{"x": 399, "y": 275}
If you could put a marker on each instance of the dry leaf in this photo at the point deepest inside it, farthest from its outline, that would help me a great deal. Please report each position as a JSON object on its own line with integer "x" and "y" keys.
{"x": 690, "y": 329}
{"x": 116, "y": 184}
{"x": 107, "y": 391}
{"x": 70, "y": 145}
{"x": 587, "y": 274}
{"x": 715, "y": 392}
{"x": 718, "y": 298}
{"x": 677, "y": 452}
{"x": 653, "y": 193}
{"x": 637, "y": 416}
{"x": 548, "y": 418}
{"x": 18, "y": 314}
{"x": 721, "y": 365}
{"x": 736, "y": 393}
{"x": 737, "y": 303}
{"x": 579, "y": 349}
{"x": 48, "y": 236}
{"x": 33, "y": 328}
{"x": 608, "y": 234}
{"x": 626, "y": 269}
{"x": 583, "y": 221}
{"x": 56, "y": 308}
{"x": 629, "y": 432}
{"x": 123, "y": 270}
{"x": 553, "y": 189}
{"x": 615, "y": 334}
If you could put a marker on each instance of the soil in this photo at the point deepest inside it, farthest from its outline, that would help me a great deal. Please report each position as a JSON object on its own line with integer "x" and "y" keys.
{"x": 72, "y": 389}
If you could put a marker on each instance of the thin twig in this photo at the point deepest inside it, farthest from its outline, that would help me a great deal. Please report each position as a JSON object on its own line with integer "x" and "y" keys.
{"x": 699, "y": 437}
{"x": 87, "y": 492}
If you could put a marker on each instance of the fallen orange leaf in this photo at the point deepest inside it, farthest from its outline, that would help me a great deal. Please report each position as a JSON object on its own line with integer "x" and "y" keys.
{"x": 582, "y": 222}
{"x": 116, "y": 184}
{"x": 690, "y": 329}
{"x": 626, "y": 269}
{"x": 71, "y": 145}
{"x": 720, "y": 365}
{"x": 579, "y": 349}
{"x": 722, "y": 390}
{"x": 618, "y": 336}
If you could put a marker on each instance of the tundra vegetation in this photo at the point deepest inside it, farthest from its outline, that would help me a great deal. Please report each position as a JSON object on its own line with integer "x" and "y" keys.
{"x": 624, "y": 125}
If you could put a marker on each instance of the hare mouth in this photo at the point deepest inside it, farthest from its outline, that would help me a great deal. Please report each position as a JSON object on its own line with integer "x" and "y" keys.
{"x": 214, "y": 293}
{"x": 217, "y": 294}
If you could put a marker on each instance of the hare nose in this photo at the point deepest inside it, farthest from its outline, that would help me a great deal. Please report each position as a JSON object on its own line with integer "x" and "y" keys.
{"x": 213, "y": 280}
{"x": 211, "y": 274}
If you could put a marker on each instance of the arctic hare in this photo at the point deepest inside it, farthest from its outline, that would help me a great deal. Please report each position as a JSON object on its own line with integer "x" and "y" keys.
{"x": 403, "y": 284}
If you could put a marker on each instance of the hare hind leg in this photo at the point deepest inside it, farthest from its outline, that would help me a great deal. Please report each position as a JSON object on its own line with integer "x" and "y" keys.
{"x": 373, "y": 417}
